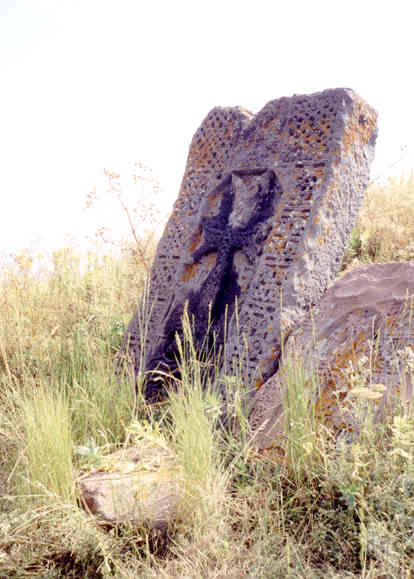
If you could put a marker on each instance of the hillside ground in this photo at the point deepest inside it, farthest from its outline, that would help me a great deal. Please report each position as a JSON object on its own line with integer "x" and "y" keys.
{"x": 314, "y": 509}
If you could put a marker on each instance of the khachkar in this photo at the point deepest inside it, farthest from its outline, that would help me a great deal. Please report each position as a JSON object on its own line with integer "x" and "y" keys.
{"x": 266, "y": 207}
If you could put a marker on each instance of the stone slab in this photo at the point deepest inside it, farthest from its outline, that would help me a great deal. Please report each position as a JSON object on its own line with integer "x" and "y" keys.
{"x": 265, "y": 210}
{"x": 138, "y": 485}
{"x": 364, "y": 322}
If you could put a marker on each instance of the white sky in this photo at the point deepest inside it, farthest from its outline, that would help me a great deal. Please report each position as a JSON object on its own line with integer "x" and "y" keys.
{"x": 88, "y": 84}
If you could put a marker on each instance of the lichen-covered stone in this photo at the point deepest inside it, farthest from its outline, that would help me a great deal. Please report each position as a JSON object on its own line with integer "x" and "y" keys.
{"x": 265, "y": 210}
{"x": 361, "y": 334}
{"x": 138, "y": 485}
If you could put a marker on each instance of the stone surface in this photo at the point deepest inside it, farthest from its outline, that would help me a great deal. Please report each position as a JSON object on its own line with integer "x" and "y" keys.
{"x": 265, "y": 210}
{"x": 365, "y": 322}
{"x": 137, "y": 485}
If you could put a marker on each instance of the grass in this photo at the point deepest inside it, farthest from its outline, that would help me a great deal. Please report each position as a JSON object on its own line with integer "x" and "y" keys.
{"x": 47, "y": 432}
{"x": 318, "y": 508}
{"x": 385, "y": 228}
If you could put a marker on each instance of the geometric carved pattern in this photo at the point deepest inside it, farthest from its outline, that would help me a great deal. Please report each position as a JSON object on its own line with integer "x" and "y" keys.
{"x": 264, "y": 213}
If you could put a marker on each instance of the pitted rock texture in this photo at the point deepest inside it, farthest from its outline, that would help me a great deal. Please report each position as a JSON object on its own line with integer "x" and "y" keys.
{"x": 364, "y": 323}
{"x": 265, "y": 210}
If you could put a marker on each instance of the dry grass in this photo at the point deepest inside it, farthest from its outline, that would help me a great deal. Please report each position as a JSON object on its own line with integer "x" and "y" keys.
{"x": 329, "y": 510}
{"x": 385, "y": 227}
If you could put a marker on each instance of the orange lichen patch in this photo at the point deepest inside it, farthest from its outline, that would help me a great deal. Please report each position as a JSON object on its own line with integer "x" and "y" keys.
{"x": 202, "y": 156}
{"x": 213, "y": 200}
{"x": 190, "y": 271}
{"x": 258, "y": 384}
{"x": 329, "y": 407}
{"x": 275, "y": 355}
{"x": 360, "y": 127}
{"x": 270, "y": 123}
{"x": 211, "y": 259}
{"x": 351, "y": 353}
{"x": 389, "y": 323}
{"x": 319, "y": 173}
{"x": 335, "y": 386}
{"x": 196, "y": 240}
{"x": 229, "y": 131}
{"x": 326, "y": 128}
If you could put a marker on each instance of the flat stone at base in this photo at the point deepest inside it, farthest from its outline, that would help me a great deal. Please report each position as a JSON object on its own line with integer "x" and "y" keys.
{"x": 138, "y": 485}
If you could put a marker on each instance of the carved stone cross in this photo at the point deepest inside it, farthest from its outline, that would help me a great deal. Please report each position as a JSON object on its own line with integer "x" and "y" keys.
{"x": 265, "y": 210}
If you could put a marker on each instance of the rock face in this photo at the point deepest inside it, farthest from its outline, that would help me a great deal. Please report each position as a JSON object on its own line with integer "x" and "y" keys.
{"x": 363, "y": 327}
{"x": 265, "y": 210}
{"x": 134, "y": 486}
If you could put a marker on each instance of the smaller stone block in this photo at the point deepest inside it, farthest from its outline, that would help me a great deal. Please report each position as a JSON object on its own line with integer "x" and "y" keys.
{"x": 134, "y": 486}
{"x": 364, "y": 322}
